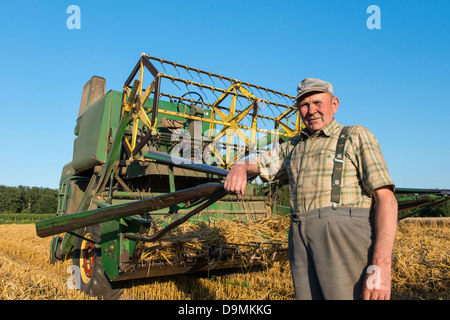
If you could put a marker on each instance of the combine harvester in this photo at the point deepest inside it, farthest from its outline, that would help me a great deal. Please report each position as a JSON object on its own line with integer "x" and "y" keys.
{"x": 151, "y": 157}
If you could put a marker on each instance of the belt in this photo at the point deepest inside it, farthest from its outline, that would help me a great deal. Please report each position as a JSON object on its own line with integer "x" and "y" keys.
{"x": 333, "y": 211}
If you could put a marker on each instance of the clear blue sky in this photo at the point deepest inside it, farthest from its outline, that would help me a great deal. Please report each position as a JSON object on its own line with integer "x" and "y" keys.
{"x": 394, "y": 80}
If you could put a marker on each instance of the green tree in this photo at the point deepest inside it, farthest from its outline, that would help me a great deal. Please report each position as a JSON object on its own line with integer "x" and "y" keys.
{"x": 31, "y": 199}
{"x": 46, "y": 204}
{"x": 13, "y": 199}
{"x": 23, "y": 199}
{"x": 440, "y": 211}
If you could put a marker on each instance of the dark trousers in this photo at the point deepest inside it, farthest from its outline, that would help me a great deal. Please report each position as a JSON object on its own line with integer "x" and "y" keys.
{"x": 329, "y": 251}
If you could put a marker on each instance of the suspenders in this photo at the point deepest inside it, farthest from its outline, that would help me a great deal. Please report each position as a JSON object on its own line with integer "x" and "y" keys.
{"x": 337, "y": 168}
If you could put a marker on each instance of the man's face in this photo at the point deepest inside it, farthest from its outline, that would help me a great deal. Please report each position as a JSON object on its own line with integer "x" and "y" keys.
{"x": 317, "y": 110}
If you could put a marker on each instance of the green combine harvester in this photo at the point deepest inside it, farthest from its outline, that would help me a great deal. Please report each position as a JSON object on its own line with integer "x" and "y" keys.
{"x": 151, "y": 157}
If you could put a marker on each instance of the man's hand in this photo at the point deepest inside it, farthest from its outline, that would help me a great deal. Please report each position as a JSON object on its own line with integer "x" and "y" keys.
{"x": 236, "y": 179}
{"x": 377, "y": 283}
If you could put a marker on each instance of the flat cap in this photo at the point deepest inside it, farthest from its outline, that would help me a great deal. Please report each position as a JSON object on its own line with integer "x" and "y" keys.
{"x": 313, "y": 85}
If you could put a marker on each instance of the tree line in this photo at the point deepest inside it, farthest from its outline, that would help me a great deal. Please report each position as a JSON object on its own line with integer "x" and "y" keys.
{"x": 22, "y": 199}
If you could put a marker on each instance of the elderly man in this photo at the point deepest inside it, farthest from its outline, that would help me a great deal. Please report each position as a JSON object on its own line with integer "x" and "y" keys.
{"x": 343, "y": 208}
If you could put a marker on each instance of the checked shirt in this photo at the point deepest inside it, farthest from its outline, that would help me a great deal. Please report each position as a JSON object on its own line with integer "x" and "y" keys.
{"x": 307, "y": 161}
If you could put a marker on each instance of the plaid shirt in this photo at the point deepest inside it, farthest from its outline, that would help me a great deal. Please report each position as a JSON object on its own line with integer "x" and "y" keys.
{"x": 307, "y": 160}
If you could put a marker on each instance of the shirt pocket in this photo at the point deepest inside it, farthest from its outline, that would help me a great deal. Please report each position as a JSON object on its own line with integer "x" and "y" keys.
{"x": 323, "y": 168}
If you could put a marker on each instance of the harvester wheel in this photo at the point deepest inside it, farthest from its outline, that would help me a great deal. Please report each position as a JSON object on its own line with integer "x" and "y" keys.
{"x": 87, "y": 257}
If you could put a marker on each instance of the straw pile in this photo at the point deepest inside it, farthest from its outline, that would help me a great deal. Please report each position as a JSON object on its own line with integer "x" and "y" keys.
{"x": 25, "y": 271}
{"x": 199, "y": 236}
{"x": 421, "y": 269}
{"x": 421, "y": 260}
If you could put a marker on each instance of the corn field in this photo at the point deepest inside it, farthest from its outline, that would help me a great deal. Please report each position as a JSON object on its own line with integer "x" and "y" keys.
{"x": 421, "y": 270}
{"x": 6, "y": 218}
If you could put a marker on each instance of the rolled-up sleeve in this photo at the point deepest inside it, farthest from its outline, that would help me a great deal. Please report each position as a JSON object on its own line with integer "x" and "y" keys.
{"x": 271, "y": 163}
{"x": 373, "y": 168}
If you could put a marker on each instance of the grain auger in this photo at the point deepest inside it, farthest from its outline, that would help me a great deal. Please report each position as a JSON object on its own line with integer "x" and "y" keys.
{"x": 151, "y": 157}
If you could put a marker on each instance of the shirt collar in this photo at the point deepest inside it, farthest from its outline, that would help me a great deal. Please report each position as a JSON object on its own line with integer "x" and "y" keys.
{"x": 328, "y": 130}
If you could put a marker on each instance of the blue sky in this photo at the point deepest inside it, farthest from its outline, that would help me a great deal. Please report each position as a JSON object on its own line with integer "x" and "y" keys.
{"x": 393, "y": 80}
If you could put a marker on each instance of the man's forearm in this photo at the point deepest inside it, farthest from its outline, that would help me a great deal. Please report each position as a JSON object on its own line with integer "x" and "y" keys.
{"x": 385, "y": 227}
{"x": 236, "y": 179}
{"x": 252, "y": 169}
{"x": 378, "y": 281}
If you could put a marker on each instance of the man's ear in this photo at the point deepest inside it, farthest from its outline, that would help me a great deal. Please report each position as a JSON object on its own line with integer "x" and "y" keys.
{"x": 335, "y": 104}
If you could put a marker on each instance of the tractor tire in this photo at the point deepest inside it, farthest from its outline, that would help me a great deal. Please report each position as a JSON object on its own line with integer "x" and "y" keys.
{"x": 87, "y": 257}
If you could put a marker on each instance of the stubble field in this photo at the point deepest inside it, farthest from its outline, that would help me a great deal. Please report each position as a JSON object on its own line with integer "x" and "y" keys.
{"x": 421, "y": 270}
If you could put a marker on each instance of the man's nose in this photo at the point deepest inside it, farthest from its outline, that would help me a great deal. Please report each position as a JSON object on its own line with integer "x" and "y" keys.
{"x": 312, "y": 109}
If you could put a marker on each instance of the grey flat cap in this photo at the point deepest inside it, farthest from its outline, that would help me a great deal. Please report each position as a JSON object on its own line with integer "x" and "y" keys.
{"x": 312, "y": 85}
